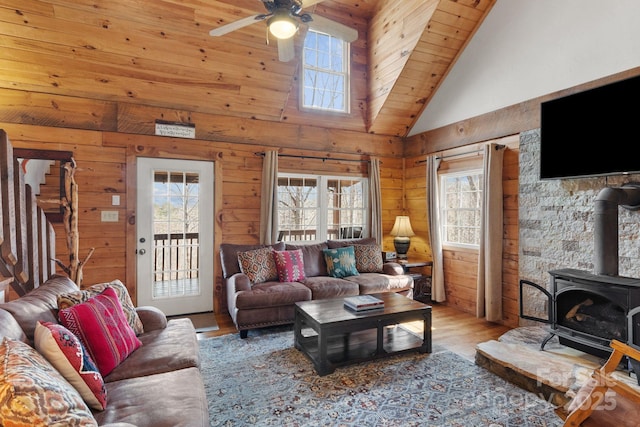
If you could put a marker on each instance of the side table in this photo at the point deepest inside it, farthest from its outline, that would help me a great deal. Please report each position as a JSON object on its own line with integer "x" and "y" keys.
{"x": 421, "y": 281}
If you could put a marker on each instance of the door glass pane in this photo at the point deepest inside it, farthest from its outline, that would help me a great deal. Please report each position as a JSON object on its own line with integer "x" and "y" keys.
{"x": 176, "y": 234}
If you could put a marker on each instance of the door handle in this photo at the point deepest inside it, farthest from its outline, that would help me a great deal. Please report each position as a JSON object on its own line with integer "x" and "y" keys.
{"x": 142, "y": 252}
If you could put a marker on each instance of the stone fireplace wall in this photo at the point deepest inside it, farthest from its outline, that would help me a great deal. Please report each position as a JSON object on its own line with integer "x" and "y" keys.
{"x": 556, "y": 223}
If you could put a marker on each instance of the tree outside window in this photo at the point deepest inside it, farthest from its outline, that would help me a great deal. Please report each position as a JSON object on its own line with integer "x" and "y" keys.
{"x": 325, "y": 73}
{"x": 461, "y": 200}
{"x": 175, "y": 225}
{"x": 317, "y": 208}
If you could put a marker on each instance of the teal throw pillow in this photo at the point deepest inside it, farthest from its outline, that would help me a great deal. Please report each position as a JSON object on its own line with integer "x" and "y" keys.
{"x": 341, "y": 262}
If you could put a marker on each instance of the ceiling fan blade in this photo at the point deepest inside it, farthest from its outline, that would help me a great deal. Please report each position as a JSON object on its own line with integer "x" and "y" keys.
{"x": 336, "y": 29}
{"x": 236, "y": 25}
{"x": 286, "y": 49}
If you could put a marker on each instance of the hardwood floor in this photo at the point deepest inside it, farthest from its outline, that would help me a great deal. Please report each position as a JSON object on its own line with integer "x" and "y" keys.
{"x": 453, "y": 329}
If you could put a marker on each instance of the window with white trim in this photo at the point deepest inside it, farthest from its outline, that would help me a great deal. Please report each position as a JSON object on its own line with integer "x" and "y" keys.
{"x": 461, "y": 203}
{"x": 325, "y": 73}
{"x": 320, "y": 207}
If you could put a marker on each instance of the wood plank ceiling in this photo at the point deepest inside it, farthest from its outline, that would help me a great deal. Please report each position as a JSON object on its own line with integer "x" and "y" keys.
{"x": 159, "y": 53}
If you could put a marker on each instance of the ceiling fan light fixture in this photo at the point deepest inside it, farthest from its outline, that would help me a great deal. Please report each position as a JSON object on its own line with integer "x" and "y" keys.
{"x": 282, "y": 25}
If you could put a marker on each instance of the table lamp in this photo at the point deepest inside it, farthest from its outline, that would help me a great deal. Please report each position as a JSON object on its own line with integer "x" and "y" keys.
{"x": 402, "y": 233}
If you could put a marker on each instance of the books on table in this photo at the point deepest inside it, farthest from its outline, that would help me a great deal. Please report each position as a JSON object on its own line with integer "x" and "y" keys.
{"x": 363, "y": 302}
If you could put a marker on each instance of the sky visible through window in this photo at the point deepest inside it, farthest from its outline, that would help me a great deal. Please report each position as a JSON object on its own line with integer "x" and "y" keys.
{"x": 325, "y": 76}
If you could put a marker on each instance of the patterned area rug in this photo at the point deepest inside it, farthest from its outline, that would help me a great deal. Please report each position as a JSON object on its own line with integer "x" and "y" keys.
{"x": 263, "y": 380}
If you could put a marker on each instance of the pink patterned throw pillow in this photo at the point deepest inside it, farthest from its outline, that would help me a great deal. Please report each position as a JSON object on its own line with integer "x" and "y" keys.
{"x": 101, "y": 325}
{"x": 290, "y": 265}
{"x": 258, "y": 265}
{"x": 67, "y": 354}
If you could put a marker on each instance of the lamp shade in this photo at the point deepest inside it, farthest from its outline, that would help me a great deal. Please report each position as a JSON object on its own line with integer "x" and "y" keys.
{"x": 282, "y": 25}
{"x": 402, "y": 227}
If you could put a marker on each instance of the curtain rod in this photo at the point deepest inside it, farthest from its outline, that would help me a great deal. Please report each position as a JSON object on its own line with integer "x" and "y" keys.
{"x": 261, "y": 153}
{"x": 498, "y": 147}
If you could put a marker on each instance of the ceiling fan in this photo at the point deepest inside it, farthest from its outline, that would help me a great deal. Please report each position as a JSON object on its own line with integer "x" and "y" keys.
{"x": 283, "y": 18}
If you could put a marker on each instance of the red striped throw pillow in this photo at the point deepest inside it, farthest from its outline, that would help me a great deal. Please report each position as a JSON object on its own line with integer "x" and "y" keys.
{"x": 102, "y": 327}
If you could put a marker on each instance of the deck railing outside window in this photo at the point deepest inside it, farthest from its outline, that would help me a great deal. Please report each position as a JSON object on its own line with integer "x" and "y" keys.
{"x": 310, "y": 235}
{"x": 175, "y": 256}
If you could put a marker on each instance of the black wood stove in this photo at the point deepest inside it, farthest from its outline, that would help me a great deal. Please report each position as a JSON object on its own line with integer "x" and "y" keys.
{"x": 587, "y": 311}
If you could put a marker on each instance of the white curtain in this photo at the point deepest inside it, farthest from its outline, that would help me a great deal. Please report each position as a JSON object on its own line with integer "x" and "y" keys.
{"x": 269, "y": 199}
{"x": 435, "y": 240}
{"x": 489, "y": 290}
{"x": 375, "y": 199}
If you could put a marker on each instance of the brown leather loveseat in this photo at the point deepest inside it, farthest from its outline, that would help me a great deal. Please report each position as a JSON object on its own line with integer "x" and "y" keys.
{"x": 272, "y": 302}
{"x": 157, "y": 385}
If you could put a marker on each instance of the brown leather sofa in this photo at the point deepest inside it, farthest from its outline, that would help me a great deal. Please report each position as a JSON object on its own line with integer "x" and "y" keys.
{"x": 158, "y": 385}
{"x": 272, "y": 303}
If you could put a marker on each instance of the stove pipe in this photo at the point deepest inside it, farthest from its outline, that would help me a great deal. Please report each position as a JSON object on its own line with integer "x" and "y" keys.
{"x": 606, "y": 224}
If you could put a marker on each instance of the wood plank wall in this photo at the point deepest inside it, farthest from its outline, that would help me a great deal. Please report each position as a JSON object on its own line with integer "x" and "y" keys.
{"x": 106, "y": 148}
{"x": 104, "y": 157}
{"x": 105, "y": 138}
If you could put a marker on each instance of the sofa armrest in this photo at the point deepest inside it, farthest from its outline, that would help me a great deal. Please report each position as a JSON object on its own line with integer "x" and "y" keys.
{"x": 152, "y": 318}
{"x": 238, "y": 282}
{"x": 392, "y": 269}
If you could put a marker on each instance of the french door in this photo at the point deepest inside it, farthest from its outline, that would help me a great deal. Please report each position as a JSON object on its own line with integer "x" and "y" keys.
{"x": 174, "y": 235}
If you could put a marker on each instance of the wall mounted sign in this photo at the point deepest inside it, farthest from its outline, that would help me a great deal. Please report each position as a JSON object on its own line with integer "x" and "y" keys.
{"x": 175, "y": 129}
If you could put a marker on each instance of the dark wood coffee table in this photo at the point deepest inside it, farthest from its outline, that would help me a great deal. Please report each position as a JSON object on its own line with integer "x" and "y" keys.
{"x": 332, "y": 335}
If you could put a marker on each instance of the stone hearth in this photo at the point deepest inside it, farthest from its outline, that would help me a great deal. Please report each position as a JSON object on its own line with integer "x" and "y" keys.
{"x": 555, "y": 373}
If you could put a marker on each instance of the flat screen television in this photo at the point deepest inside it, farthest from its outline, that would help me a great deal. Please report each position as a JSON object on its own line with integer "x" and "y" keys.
{"x": 591, "y": 133}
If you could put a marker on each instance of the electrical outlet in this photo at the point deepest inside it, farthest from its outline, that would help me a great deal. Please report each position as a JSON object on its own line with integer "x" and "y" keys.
{"x": 115, "y": 200}
{"x": 109, "y": 216}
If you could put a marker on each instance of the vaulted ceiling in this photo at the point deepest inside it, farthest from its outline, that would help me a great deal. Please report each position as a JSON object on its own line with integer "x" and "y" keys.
{"x": 159, "y": 53}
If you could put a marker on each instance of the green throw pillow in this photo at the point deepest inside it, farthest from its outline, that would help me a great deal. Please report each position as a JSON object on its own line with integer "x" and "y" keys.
{"x": 341, "y": 262}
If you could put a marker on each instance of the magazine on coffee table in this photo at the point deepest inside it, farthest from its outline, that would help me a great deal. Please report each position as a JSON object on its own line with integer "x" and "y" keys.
{"x": 363, "y": 302}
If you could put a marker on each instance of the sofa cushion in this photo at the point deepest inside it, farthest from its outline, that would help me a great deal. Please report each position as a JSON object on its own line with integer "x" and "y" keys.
{"x": 229, "y": 256}
{"x": 170, "y": 399}
{"x": 102, "y": 327}
{"x": 258, "y": 265}
{"x": 272, "y": 294}
{"x": 368, "y": 258}
{"x": 67, "y": 354}
{"x": 313, "y": 255}
{"x": 67, "y": 300}
{"x": 290, "y": 265}
{"x": 373, "y": 283}
{"x": 341, "y": 262}
{"x": 39, "y": 304}
{"x": 323, "y": 287}
{"x": 172, "y": 347}
{"x": 34, "y": 393}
